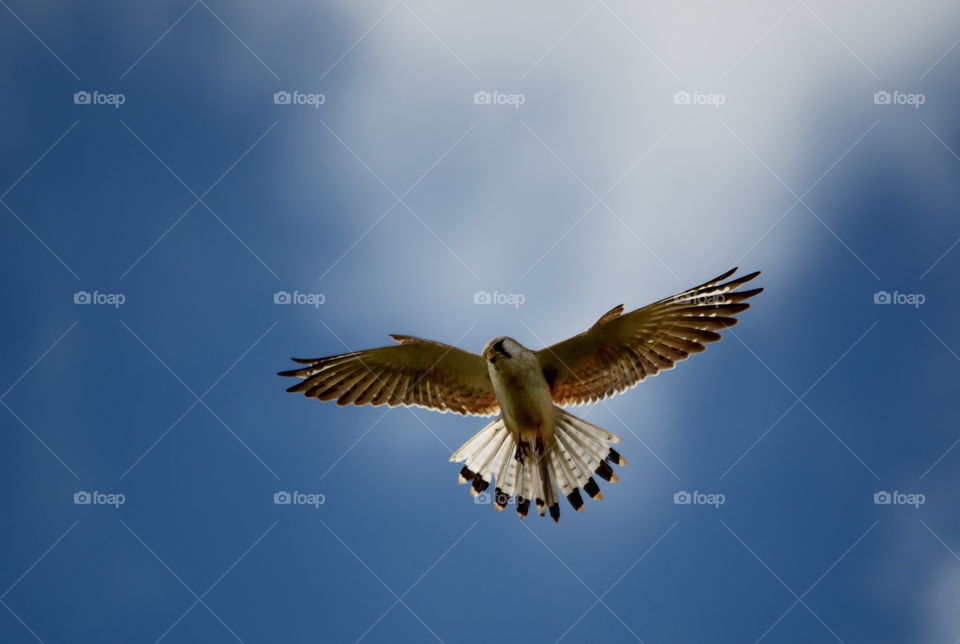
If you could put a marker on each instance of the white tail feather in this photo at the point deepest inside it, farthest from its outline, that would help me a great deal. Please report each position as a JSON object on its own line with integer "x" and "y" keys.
{"x": 571, "y": 465}
{"x": 479, "y": 440}
{"x": 584, "y": 447}
{"x": 579, "y": 450}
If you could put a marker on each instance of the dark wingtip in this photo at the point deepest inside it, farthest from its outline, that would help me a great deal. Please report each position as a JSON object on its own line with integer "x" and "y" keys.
{"x": 555, "y": 512}
{"x": 605, "y": 472}
{"x": 727, "y": 274}
{"x": 592, "y": 489}
{"x": 576, "y": 500}
{"x": 523, "y": 507}
{"x": 479, "y": 485}
{"x": 615, "y": 457}
{"x": 465, "y": 475}
{"x": 750, "y": 293}
{"x": 541, "y": 507}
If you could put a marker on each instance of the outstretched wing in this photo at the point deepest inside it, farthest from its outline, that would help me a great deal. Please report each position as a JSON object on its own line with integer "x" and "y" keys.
{"x": 619, "y": 351}
{"x": 415, "y": 372}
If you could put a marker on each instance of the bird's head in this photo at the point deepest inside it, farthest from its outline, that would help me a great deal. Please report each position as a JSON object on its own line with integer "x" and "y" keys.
{"x": 501, "y": 348}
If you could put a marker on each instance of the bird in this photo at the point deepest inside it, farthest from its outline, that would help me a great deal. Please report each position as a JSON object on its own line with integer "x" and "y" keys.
{"x": 534, "y": 447}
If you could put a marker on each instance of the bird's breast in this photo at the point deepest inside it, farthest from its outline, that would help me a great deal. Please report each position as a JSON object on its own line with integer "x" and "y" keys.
{"x": 524, "y": 397}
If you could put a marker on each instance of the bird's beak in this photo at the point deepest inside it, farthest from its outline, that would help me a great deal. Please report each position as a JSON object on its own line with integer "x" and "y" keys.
{"x": 490, "y": 355}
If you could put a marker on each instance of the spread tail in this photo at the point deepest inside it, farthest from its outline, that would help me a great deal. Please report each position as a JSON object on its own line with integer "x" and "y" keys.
{"x": 580, "y": 450}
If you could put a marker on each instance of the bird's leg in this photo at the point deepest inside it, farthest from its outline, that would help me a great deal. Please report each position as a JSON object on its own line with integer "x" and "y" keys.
{"x": 523, "y": 449}
{"x": 539, "y": 444}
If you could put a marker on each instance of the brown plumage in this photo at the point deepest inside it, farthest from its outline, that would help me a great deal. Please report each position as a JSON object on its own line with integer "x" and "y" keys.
{"x": 533, "y": 447}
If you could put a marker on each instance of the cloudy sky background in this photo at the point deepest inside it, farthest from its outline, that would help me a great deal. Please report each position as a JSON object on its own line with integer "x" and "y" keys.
{"x": 398, "y": 199}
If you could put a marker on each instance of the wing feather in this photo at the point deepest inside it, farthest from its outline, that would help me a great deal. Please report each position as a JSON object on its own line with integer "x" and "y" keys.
{"x": 414, "y": 372}
{"x": 622, "y": 349}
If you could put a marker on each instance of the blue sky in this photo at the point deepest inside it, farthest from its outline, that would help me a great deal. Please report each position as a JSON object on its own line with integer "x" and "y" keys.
{"x": 626, "y": 153}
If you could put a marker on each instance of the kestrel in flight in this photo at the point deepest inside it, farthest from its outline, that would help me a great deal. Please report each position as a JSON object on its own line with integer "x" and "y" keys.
{"x": 533, "y": 446}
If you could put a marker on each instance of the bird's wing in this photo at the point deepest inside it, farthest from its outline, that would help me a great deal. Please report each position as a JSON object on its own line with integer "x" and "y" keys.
{"x": 415, "y": 372}
{"x": 619, "y": 350}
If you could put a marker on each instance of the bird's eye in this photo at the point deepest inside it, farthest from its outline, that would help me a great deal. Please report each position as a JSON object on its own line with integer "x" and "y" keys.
{"x": 498, "y": 347}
